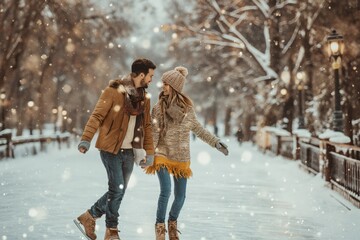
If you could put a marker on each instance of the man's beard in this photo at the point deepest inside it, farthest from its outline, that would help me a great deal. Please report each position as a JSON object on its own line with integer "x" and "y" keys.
{"x": 143, "y": 83}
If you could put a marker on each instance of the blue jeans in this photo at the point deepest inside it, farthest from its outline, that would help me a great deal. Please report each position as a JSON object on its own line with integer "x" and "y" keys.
{"x": 165, "y": 191}
{"x": 118, "y": 168}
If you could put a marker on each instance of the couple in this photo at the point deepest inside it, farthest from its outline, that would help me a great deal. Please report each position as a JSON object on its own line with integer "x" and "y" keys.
{"x": 159, "y": 143}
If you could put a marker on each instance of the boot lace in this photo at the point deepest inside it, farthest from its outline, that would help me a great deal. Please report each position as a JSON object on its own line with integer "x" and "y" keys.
{"x": 161, "y": 230}
{"x": 173, "y": 231}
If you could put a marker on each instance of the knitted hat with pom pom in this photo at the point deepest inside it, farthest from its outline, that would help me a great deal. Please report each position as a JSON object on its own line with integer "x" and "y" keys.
{"x": 175, "y": 78}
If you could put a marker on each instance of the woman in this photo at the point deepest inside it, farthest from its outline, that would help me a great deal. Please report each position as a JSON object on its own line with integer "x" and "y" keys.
{"x": 173, "y": 118}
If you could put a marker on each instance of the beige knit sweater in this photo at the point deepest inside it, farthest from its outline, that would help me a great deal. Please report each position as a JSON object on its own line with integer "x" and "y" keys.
{"x": 173, "y": 150}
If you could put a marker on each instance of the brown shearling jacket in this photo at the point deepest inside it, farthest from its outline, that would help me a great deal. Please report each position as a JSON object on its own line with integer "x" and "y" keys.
{"x": 110, "y": 118}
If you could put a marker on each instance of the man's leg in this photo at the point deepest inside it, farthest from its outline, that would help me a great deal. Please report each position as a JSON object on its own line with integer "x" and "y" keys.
{"x": 109, "y": 203}
{"x": 99, "y": 207}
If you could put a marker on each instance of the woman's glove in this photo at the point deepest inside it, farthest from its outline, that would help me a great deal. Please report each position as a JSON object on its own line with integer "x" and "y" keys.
{"x": 149, "y": 161}
{"x": 222, "y": 147}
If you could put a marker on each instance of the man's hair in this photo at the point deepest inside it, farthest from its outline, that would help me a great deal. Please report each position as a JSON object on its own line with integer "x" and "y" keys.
{"x": 142, "y": 65}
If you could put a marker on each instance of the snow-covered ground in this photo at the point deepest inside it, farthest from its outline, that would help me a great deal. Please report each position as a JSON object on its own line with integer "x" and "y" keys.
{"x": 247, "y": 195}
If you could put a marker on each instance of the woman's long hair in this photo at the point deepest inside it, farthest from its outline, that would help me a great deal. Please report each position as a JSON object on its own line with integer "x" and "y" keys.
{"x": 177, "y": 98}
{"x": 174, "y": 98}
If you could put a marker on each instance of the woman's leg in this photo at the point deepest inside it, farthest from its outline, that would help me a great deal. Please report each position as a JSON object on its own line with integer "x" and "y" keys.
{"x": 165, "y": 191}
{"x": 180, "y": 194}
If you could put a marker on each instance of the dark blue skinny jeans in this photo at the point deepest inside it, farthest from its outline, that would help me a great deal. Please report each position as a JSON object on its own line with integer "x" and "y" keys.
{"x": 118, "y": 168}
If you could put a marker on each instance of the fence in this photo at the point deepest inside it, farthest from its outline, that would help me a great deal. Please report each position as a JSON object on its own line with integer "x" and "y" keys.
{"x": 30, "y": 145}
{"x": 342, "y": 170}
{"x": 309, "y": 154}
{"x": 339, "y": 164}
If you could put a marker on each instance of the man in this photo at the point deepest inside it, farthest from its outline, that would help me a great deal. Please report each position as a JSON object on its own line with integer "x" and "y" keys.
{"x": 122, "y": 116}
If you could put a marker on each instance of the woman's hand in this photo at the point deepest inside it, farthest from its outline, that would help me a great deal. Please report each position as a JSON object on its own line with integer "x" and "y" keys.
{"x": 222, "y": 147}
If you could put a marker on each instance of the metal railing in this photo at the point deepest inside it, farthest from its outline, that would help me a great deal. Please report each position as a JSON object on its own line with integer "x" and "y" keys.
{"x": 338, "y": 163}
{"x": 310, "y": 156}
{"x": 343, "y": 171}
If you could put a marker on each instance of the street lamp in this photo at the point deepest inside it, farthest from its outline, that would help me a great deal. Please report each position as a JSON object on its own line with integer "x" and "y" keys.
{"x": 64, "y": 116}
{"x": 2, "y": 98}
{"x": 285, "y": 76}
{"x": 55, "y": 114}
{"x": 300, "y": 77}
{"x": 335, "y": 49}
{"x": 31, "y": 105}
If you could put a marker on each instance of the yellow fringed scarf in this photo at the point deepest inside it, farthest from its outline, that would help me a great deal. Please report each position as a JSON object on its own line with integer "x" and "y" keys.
{"x": 175, "y": 168}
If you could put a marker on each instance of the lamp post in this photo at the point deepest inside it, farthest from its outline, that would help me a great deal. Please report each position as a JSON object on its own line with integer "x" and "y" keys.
{"x": 300, "y": 87}
{"x": 31, "y": 105}
{"x": 55, "y": 114}
{"x": 2, "y": 98}
{"x": 64, "y": 120}
{"x": 335, "y": 49}
{"x": 285, "y": 76}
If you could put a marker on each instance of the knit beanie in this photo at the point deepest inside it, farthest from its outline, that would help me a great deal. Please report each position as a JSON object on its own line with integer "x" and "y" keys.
{"x": 175, "y": 78}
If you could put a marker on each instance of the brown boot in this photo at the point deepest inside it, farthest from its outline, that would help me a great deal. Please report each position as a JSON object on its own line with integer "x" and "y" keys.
{"x": 88, "y": 222}
{"x": 160, "y": 231}
{"x": 112, "y": 234}
{"x": 173, "y": 231}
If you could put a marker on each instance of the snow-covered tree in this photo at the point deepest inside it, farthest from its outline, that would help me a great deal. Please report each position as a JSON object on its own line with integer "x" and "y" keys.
{"x": 270, "y": 37}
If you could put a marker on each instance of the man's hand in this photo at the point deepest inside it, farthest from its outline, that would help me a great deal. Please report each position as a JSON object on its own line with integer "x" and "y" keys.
{"x": 148, "y": 161}
{"x": 82, "y": 149}
{"x": 83, "y": 146}
{"x": 222, "y": 147}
